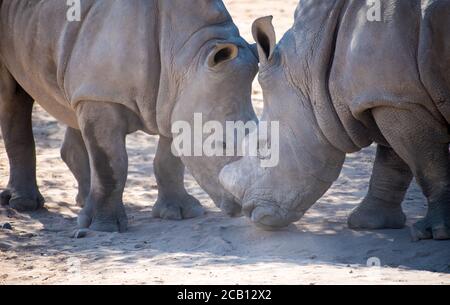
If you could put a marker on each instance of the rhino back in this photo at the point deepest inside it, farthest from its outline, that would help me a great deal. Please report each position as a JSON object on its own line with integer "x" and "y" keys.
{"x": 133, "y": 53}
{"x": 353, "y": 64}
{"x": 30, "y": 50}
{"x": 115, "y": 57}
{"x": 376, "y": 64}
{"x": 111, "y": 54}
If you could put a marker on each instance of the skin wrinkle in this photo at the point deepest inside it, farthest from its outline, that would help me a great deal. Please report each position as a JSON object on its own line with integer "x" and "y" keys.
{"x": 307, "y": 73}
{"x": 259, "y": 201}
{"x": 99, "y": 159}
{"x": 298, "y": 91}
{"x": 69, "y": 57}
{"x": 324, "y": 100}
{"x": 196, "y": 60}
{"x": 204, "y": 28}
{"x": 418, "y": 70}
{"x": 157, "y": 33}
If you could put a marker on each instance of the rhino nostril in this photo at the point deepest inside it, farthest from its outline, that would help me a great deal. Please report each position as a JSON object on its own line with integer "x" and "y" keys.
{"x": 268, "y": 218}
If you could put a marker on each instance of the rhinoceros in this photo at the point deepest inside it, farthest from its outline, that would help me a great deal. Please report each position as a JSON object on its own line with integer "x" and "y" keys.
{"x": 124, "y": 66}
{"x": 337, "y": 82}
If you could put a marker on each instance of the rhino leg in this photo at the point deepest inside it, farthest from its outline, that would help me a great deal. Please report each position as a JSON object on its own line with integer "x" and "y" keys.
{"x": 75, "y": 155}
{"x": 381, "y": 208}
{"x": 422, "y": 142}
{"x": 104, "y": 128}
{"x": 173, "y": 202}
{"x": 16, "y": 106}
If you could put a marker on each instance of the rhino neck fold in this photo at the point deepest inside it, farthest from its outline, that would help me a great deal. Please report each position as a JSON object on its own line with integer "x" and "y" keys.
{"x": 312, "y": 152}
{"x": 314, "y": 33}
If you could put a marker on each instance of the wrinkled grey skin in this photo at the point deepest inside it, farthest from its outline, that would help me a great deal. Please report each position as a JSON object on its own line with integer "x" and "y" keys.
{"x": 127, "y": 66}
{"x": 337, "y": 83}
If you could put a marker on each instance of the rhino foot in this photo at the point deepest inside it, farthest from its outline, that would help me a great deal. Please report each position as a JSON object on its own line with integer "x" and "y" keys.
{"x": 104, "y": 220}
{"x": 22, "y": 202}
{"x": 436, "y": 225}
{"x": 178, "y": 208}
{"x": 375, "y": 214}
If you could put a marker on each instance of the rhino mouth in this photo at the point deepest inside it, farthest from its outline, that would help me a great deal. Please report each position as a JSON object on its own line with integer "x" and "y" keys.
{"x": 266, "y": 206}
{"x": 268, "y": 214}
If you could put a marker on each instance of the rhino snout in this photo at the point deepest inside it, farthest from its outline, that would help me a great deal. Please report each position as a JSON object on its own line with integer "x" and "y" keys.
{"x": 268, "y": 215}
{"x": 269, "y": 218}
{"x": 240, "y": 179}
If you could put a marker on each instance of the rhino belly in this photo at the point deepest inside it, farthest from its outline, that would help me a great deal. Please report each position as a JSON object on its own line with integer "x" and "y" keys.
{"x": 43, "y": 88}
{"x": 29, "y": 48}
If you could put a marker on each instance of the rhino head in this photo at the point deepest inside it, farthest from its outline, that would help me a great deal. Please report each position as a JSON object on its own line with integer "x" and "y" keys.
{"x": 308, "y": 164}
{"x": 210, "y": 73}
{"x": 225, "y": 77}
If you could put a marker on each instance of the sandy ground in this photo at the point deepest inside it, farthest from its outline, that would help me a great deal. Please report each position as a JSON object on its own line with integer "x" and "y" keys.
{"x": 213, "y": 249}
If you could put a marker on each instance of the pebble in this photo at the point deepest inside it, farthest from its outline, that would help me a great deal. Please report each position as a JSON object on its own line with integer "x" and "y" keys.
{"x": 7, "y": 226}
{"x": 28, "y": 235}
{"x": 5, "y": 246}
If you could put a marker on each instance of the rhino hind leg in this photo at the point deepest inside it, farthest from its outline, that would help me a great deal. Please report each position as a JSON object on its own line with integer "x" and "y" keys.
{"x": 173, "y": 202}
{"x": 422, "y": 141}
{"x": 104, "y": 128}
{"x": 75, "y": 155}
{"x": 22, "y": 193}
{"x": 381, "y": 208}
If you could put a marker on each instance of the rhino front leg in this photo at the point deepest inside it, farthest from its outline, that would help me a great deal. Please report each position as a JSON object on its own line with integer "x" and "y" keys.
{"x": 173, "y": 202}
{"x": 381, "y": 208}
{"x": 422, "y": 142}
{"x": 104, "y": 129}
{"x": 16, "y": 107}
{"x": 75, "y": 155}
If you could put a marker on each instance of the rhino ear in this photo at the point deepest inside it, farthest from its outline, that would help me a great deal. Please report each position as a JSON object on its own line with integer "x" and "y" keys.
{"x": 264, "y": 35}
{"x": 222, "y": 53}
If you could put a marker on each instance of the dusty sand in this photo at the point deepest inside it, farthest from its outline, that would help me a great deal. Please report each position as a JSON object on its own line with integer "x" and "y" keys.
{"x": 213, "y": 249}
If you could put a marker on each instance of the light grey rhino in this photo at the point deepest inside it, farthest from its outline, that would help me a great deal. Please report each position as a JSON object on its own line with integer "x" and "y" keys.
{"x": 125, "y": 66}
{"x": 337, "y": 82}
